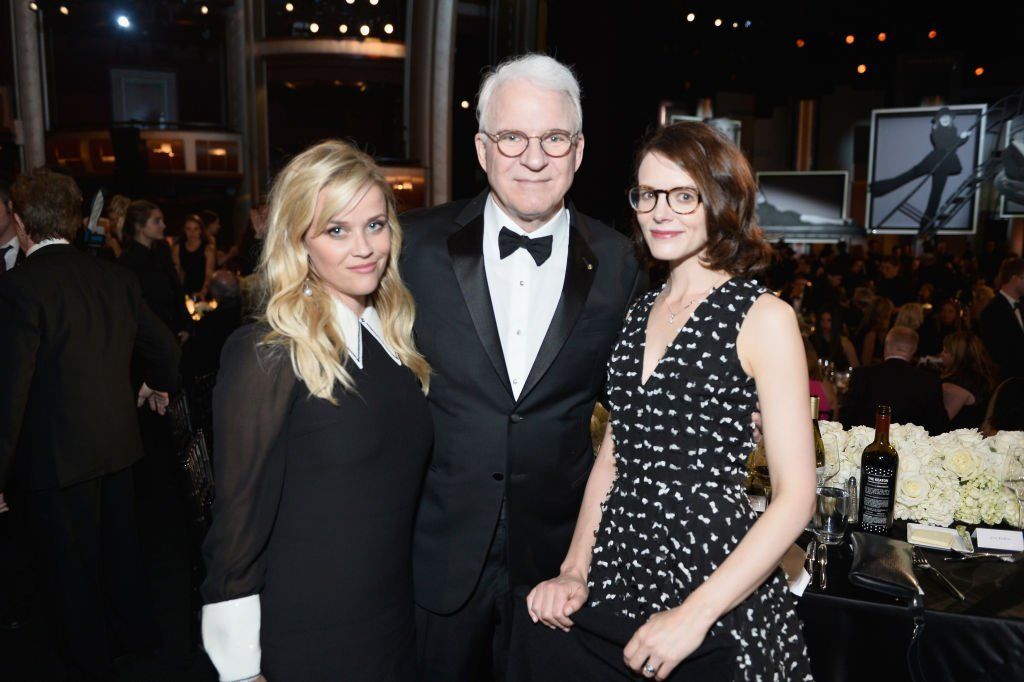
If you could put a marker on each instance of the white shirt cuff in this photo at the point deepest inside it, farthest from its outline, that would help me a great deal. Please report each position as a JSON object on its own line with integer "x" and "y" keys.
{"x": 231, "y": 637}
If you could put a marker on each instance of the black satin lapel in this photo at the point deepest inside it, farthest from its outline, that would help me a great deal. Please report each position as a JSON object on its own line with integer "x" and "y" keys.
{"x": 579, "y": 275}
{"x": 465, "y": 248}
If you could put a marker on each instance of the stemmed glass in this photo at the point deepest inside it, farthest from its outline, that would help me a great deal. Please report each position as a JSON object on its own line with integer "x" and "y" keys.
{"x": 831, "y": 513}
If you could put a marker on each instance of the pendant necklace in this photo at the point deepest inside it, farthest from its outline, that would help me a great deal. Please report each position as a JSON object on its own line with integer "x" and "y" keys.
{"x": 672, "y": 315}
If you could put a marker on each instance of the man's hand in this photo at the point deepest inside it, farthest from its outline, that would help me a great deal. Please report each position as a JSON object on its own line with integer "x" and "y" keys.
{"x": 157, "y": 400}
{"x": 3, "y": 504}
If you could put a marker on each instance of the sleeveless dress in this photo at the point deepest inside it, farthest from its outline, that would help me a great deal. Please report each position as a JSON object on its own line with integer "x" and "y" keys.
{"x": 677, "y": 507}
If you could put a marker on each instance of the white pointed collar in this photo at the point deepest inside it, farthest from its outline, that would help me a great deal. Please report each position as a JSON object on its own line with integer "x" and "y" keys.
{"x": 350, "y": 326}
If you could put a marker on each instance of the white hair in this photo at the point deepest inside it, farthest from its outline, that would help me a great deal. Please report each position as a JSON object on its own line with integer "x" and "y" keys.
{"x": 540, "y": 71}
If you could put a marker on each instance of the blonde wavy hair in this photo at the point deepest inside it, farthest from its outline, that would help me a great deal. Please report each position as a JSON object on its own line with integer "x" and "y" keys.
{"x": 304, "y": 326}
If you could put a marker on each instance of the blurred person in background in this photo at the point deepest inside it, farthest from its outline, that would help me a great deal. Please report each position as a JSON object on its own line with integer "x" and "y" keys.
{"x": 968, "y": 379}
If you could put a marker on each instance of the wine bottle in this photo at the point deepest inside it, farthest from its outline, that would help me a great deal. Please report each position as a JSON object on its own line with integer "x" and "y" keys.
{"x": 878, "y": 467}
{"x": 758, "y": 484}
{"x": 819, "y": 445}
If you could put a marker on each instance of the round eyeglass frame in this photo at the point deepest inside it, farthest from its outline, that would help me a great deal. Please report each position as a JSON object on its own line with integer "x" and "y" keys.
{"x": 633, "y": 202}
{"x": 496, "y": 139}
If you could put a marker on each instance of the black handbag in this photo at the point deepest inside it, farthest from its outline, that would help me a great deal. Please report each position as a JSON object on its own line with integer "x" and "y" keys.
{"x": 884, "y": 565}
{"x": 887, "y": 566}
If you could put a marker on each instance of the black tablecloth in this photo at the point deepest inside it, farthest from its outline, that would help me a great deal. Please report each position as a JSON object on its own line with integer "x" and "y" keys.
{"x": 858, "y": 634}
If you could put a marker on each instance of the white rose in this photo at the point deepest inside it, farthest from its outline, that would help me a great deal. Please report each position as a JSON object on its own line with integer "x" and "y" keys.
{"x": 912, "y": 489}
{"x": 909, "y": 463}
{"x": 963, "y": 463}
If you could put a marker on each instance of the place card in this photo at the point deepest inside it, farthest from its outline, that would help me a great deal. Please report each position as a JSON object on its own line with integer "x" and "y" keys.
{"x": 994, "y": 538}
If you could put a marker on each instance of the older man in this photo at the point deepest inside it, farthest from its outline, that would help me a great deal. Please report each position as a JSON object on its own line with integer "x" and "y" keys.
{"x": 914, "y": 394}
{"x": 519, "y": 300}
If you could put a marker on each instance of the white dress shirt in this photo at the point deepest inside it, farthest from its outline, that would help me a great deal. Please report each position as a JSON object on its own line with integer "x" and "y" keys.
{"x": 524, "y": 295}
{"x": 231, "y": 629}
{"x": 11, "y": 255}
{"x": 45, "y": 243}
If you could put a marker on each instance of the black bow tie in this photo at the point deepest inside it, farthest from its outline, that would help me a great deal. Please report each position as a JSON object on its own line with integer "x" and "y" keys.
{"x": 3, "y": 258}
{"x": 509, "y": 241}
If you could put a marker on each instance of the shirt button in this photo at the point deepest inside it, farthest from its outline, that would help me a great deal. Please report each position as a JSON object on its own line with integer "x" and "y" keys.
{"x": 515, "y": 382}
{"x": 522, "y": 283}
{"x": 515, "y": 418}
{"x": 498, "y": 476}
{"x": 519, "y": 332}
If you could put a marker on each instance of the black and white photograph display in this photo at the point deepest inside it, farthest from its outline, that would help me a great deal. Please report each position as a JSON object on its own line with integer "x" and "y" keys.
{"x": 920, "y": 160}
{"x": 811, "y": 204}
{"x": 1009, "y": 180}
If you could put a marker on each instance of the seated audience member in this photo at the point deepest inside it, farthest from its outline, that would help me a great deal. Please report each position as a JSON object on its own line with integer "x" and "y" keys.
{"x": 202, "y": 352}
{"x": 818, "y": 386}
{"x": 913, "y": 316}
{"x": 982, "y": 295}
{"x": 871, "y": 336}
{"x": 69, "y": 326}
{"x": 1006, "y": 408}
{"x": 1001, "y": 325}
{"x": 968, "y": 379}
{"x": 914, "y": 395}
{"x": 947, "y": 320}
{"x": 830, "y": 343}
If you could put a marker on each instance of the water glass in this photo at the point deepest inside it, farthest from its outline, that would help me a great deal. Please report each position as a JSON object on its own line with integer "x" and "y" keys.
{"x": 831, "y": 511}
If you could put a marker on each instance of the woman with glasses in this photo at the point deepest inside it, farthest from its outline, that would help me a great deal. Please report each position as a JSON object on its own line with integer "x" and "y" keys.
{"x": 670, "y": 573}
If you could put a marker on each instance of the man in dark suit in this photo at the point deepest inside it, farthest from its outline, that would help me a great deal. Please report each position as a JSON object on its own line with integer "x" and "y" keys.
{"x": 914, "y": 394}
{"x": 10, "y": 249}
{"x": 68, "y": 431}
{"x": 1001, "y": 326}
{"x": 519, "y": 299}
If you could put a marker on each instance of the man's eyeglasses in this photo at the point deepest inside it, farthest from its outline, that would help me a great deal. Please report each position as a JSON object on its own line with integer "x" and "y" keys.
{"x": 682, "y": 200}
{"x": 513, "y": 143}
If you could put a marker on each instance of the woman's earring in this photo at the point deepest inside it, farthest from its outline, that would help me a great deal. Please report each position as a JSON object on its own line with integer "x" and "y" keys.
{"x": 307, "y": 289}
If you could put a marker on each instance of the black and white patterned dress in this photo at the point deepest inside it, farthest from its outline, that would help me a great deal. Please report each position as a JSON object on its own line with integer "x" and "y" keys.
{"x": 677, "y": 507}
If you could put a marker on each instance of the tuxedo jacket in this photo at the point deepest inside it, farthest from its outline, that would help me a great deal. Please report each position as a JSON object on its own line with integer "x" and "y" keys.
{"x": 535, "y": 452}
{"x": 914, "y": 395}
{"x": 68, "y": 325}
{"x": 1003, "y": 336}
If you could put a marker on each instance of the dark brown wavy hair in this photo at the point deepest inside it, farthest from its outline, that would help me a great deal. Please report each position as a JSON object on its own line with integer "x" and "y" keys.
{"x": 728, "y": 192}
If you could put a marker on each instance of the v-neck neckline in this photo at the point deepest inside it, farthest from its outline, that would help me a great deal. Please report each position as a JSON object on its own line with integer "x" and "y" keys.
{"x": 675, "y": 337}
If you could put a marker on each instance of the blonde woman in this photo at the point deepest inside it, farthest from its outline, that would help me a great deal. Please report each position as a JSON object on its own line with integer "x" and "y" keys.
{"x": 322, "y": 438}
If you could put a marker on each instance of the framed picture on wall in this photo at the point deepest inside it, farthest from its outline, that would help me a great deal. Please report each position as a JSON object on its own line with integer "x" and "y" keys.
{"x": 918, "y": 160}
{"x": 1009, "y": 181}
{"x": 806, "y": 206}
{"x": 144, "y": 96}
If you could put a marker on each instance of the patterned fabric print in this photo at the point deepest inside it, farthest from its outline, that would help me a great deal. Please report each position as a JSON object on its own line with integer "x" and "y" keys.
{"x": 677, "y": 507}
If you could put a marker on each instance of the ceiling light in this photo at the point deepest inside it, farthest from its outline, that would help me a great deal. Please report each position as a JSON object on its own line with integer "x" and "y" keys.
{"x": 343, "y": 28}
{"x": 933, "y": 34}
{"x": 718, "y": 22}
{"x": 288, "y": 7}
{"x": 800, "y": 42}
{"x": 389, "y": 28}
{"x": 464, "y": 104}
{"x": 203, "y": 9}
{"x": 64, "y": 10}
{"x": 882, "y": 37}
{"x": 314, "y": 27}
{"x": 862, "y": 68}
{"x": 850, "y": 38}
{"x": 364, "y": 30}
{"x": 691, "y": 16}
{"x": 980, "y": 71}
{"x": 124, "y": 22}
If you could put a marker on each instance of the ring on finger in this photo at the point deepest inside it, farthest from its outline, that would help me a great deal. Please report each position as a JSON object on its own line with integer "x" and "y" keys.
{"x": 650, "y": 669}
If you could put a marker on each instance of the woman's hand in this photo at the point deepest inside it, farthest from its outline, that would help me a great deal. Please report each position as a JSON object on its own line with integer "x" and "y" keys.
{"x": 663, "y": 642}
{"x": 553, "y": 601}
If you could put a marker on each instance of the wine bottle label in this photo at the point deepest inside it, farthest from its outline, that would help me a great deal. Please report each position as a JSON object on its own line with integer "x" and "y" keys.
{"x": 879, "y": 485}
